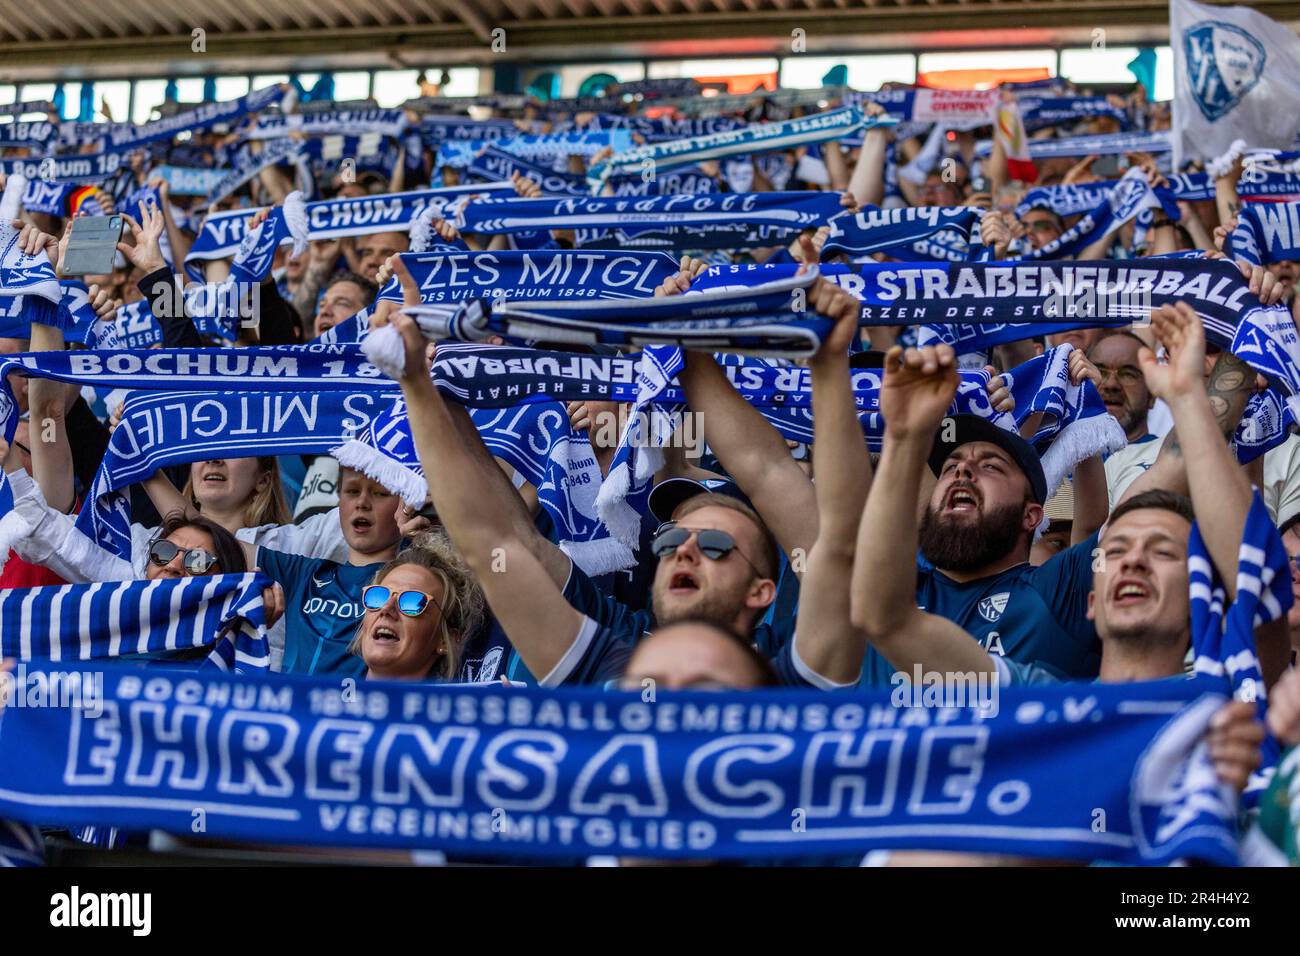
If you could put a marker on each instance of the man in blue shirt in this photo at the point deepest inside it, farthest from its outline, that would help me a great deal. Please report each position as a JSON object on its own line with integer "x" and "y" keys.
{"x": 322, "y": 597}
{"x": 1137, "y": 591}
{"x": 717, "y": 563}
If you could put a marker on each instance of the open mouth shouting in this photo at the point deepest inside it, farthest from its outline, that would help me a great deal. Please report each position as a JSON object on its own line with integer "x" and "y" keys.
{"x": 383, "y": 634}
{"x": 361, "y": 525}
{"x": 962, "y": 499}
{"x": 1128, "y": 592}
{"x": 682, "y": 583}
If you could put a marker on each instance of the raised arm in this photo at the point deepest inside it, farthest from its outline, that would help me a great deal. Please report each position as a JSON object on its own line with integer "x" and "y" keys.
{"x": 825, "y": 639}
{"x": 867, "y": 184}
{"x": 520, "y": 572}
{"x": 917, "y": 391}
{"x": 750, "y": 449}
{"x": 1219, "y": 490}
{"x": 47, "y": 400}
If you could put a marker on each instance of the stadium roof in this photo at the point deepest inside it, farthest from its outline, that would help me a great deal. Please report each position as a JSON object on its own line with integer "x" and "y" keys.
{"x": 119, "y": 36}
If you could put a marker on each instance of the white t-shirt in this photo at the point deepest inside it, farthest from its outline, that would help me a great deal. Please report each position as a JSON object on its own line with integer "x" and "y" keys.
{"x": 1127, "y": 465}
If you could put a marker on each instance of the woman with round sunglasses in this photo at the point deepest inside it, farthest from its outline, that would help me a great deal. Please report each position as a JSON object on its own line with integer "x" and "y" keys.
{"x": 419, "y": 610}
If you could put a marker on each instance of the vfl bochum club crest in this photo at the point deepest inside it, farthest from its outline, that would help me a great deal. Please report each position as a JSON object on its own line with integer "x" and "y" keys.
{"x": 1224, "y": 63}
{"x": 991, "y": 607}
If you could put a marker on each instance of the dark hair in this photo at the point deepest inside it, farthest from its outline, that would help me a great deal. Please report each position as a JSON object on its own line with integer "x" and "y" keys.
{"x": 769, "y": 561}
{"x": 1288, "y": 524}
{"x": 230, "y": 555}
{"x": 368, "y": 289}
{"x": 1156, "y": 498}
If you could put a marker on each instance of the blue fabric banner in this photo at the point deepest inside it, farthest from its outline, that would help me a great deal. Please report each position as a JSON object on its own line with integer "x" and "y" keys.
{"x": 718, "y": 775}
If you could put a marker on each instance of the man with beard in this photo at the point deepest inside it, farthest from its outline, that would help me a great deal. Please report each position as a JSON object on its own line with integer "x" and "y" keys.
{"x": 1137, "y": 594}
{"x": 975, "y": 535}
{"x": 1125, "y": 393}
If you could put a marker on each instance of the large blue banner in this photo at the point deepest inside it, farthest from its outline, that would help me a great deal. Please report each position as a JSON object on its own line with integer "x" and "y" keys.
{"x": 1084, "y": 771}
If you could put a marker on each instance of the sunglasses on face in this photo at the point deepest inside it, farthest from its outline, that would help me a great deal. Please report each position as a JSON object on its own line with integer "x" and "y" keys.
{"x": 194, "y": 560}
{"x": 410, "y": 603}
{"x": 713, "y": 544}
{"x": 1040, "y": 225}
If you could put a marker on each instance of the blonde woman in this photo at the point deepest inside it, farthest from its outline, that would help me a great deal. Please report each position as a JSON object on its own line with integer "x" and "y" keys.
{"x": 420, "y": 609}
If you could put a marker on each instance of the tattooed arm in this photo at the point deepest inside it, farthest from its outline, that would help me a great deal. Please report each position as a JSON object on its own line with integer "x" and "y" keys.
{"x": 1226, "y": 199}
{"x": 1228, "y": 388}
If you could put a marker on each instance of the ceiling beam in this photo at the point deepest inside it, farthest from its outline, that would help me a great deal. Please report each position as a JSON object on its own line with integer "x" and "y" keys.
{"x": 534, "y": 39}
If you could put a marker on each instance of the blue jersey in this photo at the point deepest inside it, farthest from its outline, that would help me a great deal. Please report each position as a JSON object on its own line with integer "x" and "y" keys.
{"x": 610, "y": 632}
{"x": 321, "y": 612}
{"x": 1030, "y": 615}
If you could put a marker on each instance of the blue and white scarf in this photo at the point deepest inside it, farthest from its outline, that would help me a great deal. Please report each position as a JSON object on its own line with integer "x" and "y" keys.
{"x": 246, "y": 164}
{"x": 262, "y": 368}
{"x": 1039, "y": 112}
{"x": 755, "y": 138}
{"x": 35, "y": 135}
{"x": 29, "y": 289}
{"x": 330, "y": 122}
{"x": 92, "y": 168}
{"x": 718, "y": 220}
{"x": 201, "y": 117}
{"x": 1075, "y": 424}
{"x": 884, "y": 230}
{"x": 545, "y": 149}
{"x": 1266, "y": 232}
{"x": 1099, "y": 144}
{"x": 223, "y": 232}
{"x": 82, "y": 622}
{"x": 605, "y": 776}
{"x": 1129, "y": 197}
{"x": 536, "y": 440}
{"x": 688, "y": 180}
{"x": 1223, "y": 641}
{"x": 27, "y": 106}
{"x": 161, "y": 429}
{"x": 436, "y": 130}
{"x": 48, "y": 198}
{"x": 188, "y": 180}
{"x": 494, "y": 165}
{"x": 558, "y": 274}
{"x": 1058, "y": 296}
{"x": 766, "y": 319}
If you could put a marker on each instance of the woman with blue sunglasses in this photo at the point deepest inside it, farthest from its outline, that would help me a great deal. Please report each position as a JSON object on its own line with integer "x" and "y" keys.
{"x": 419, "y": 610}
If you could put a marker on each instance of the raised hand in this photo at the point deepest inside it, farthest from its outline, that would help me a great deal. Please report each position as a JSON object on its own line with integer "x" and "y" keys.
{"x": 1263, "y": 283}
{"x": 917, "y": 390}
{"x": 447, "y": 232}
{"x": 1234, "y": 738}
{"x": 103, "y": 304}
{"x": 1179, "y": 330}
{"x": 145, "y": 253}
{"x": 999, "y": 392}
{"x": 827, "y": 299}
{"x": 681, "y": 282}
{"x": 1081, "y": 368}
{"x": 31, "y": 241}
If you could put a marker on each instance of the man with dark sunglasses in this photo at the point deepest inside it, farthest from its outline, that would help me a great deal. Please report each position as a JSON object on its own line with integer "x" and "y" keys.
{"x": 716, "y": 561}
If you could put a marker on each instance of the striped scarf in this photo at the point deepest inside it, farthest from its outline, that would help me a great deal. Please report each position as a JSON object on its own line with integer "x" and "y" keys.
{"x": 1223, "y": 638}
{"x": 81, "y": 622}
{"x": 221, "y": 233}
{"x": 29, "y": 289}
{"x": 766, "y": 319}
{"x": 755, "y": 138}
